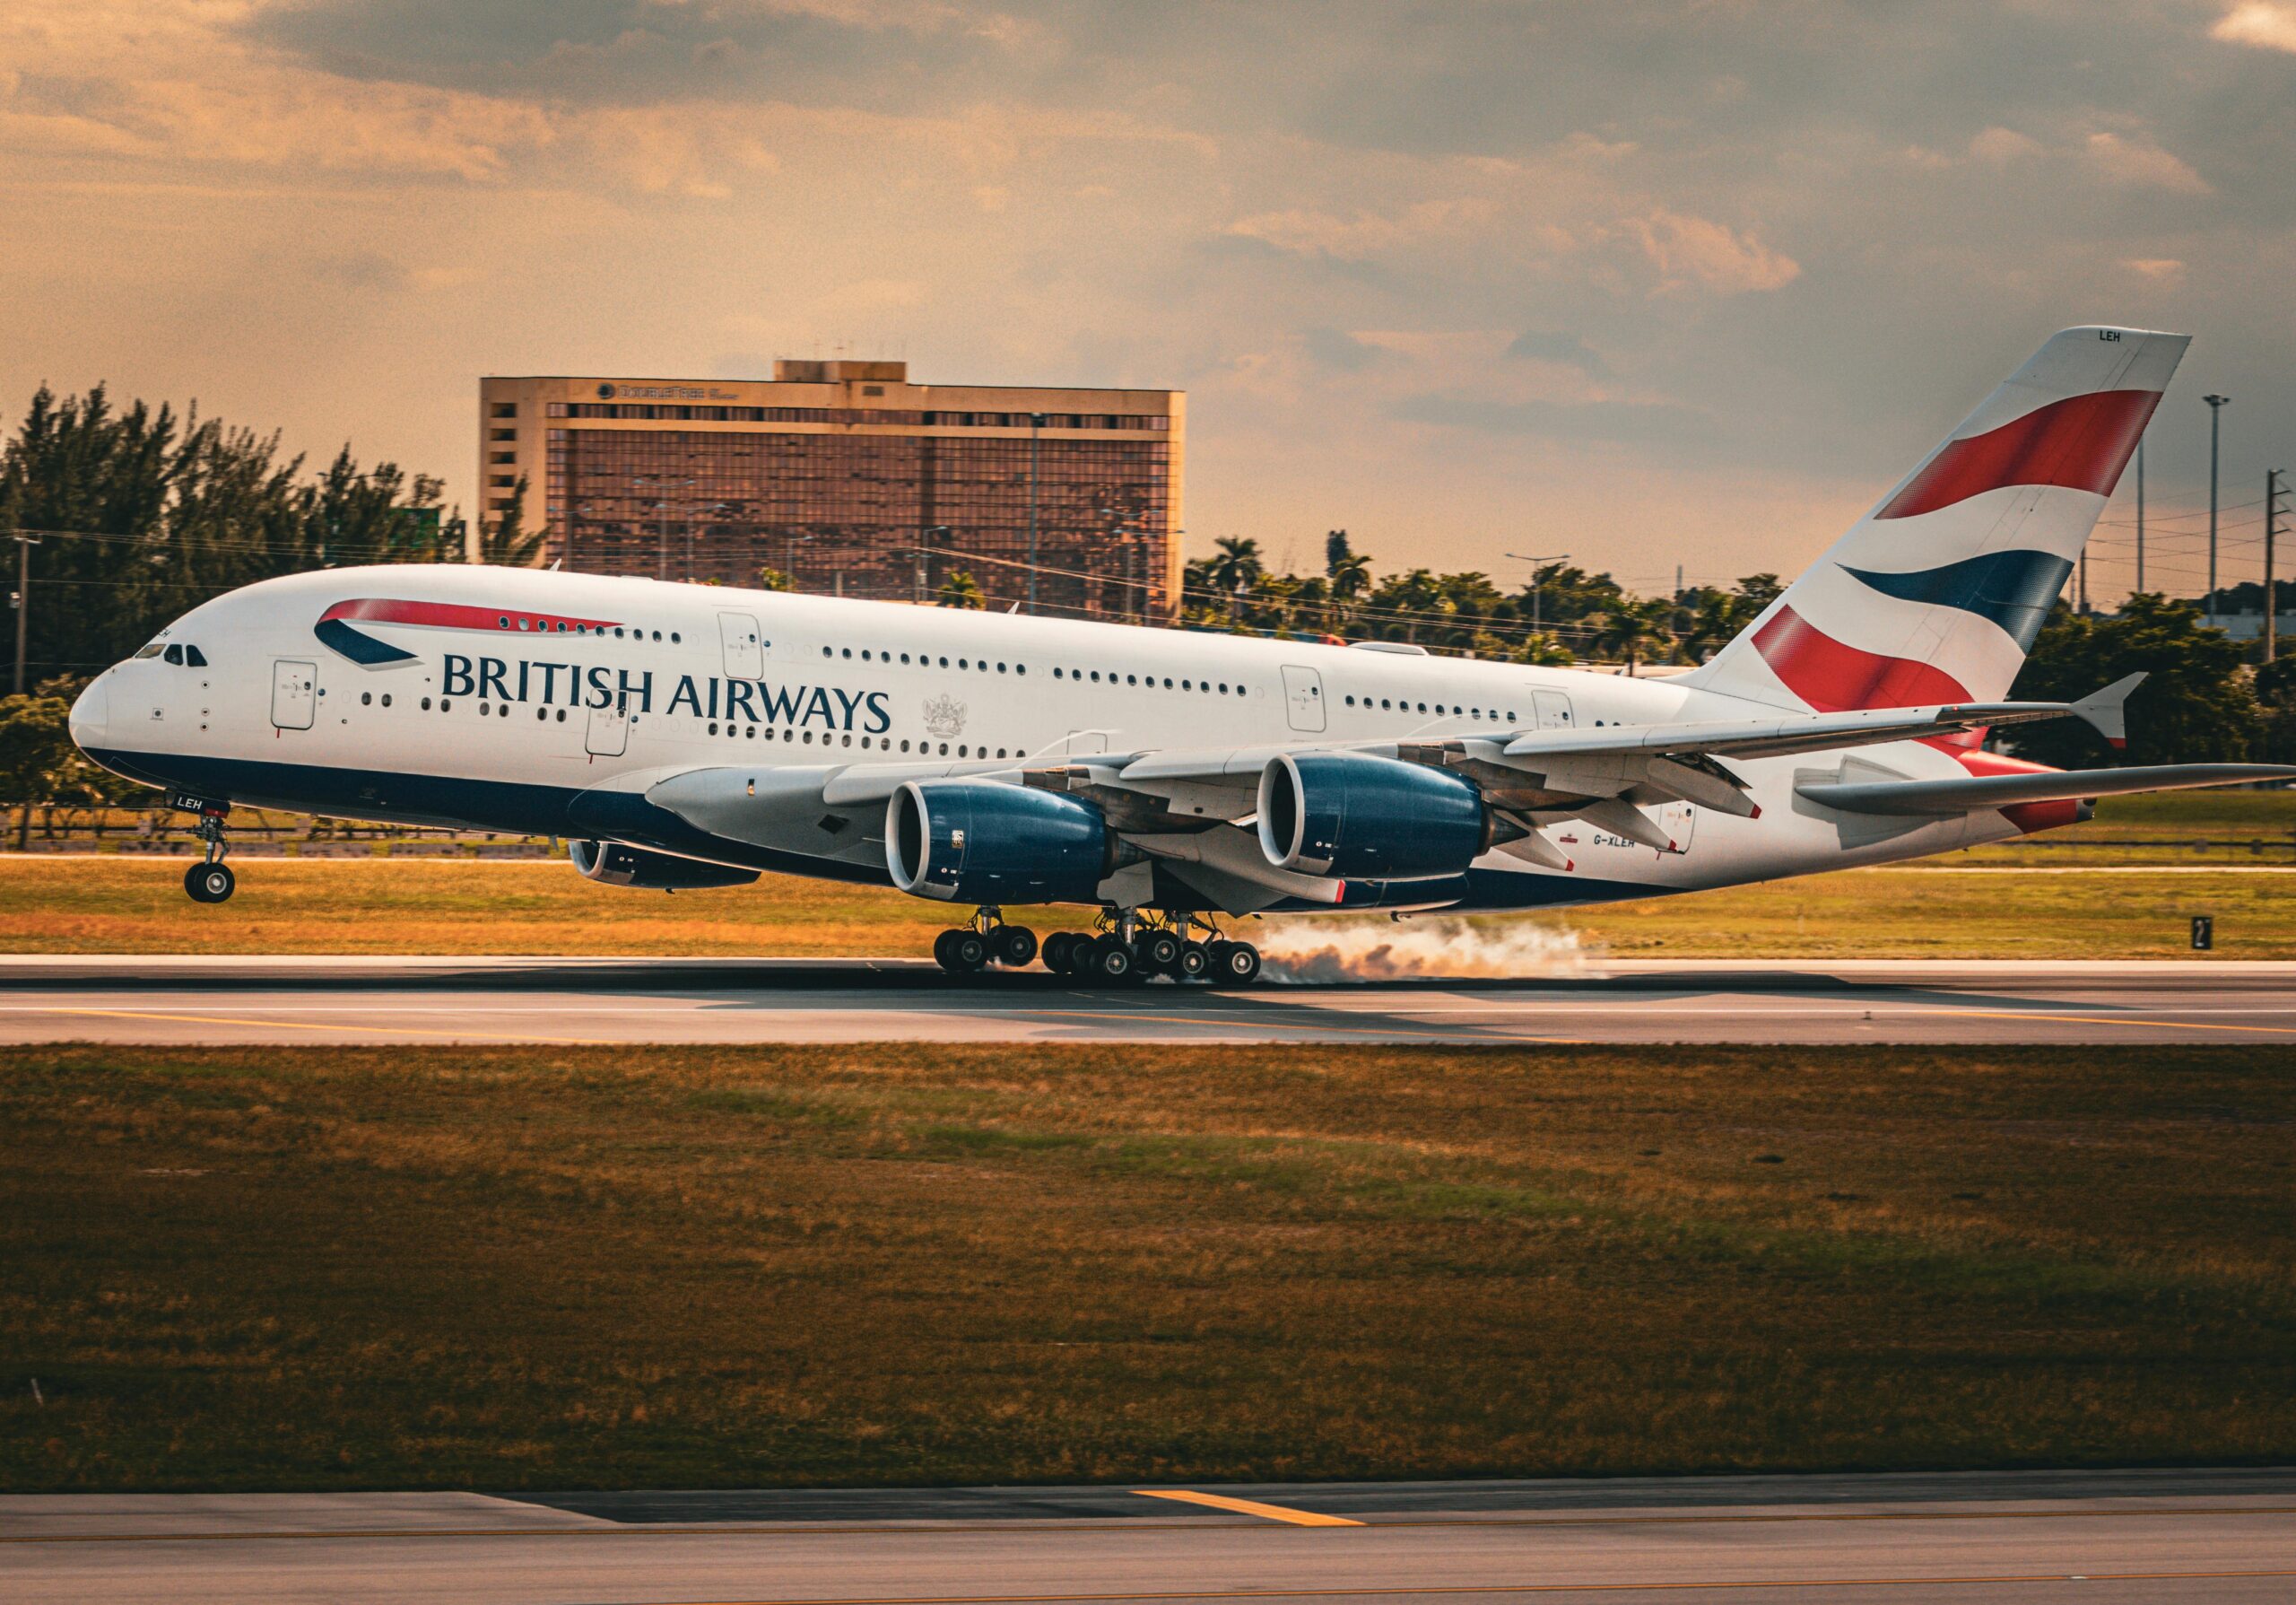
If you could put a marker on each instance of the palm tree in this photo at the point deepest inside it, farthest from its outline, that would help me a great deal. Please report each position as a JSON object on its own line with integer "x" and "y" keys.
{"x": 1350, "y": 577}
{"x": 960, "y": 590}
{"x": 1635, "y": 626}
{"x": 505, "y": 542}
{"x": 1236, "y": 566}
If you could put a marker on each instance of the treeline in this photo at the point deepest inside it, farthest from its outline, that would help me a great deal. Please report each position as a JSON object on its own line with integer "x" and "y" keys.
{"x": 142, "y": 513}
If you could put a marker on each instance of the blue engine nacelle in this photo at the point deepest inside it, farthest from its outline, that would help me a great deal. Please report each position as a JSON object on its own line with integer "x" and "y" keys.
{"x": 1365, "y": 818}
{"x": 980, "y": 842}
{"x": 612, "y": 864}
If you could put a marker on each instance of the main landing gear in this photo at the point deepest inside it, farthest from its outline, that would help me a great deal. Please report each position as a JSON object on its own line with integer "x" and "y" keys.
{"x": 1126, "y": 948}
{"x": 211, "y": 881}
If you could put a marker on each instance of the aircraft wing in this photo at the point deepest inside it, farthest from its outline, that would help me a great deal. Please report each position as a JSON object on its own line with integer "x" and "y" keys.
{"x": 2004, "y": 790}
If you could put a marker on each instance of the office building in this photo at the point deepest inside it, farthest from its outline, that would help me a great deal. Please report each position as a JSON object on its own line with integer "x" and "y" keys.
{"x": 849, "y": 479}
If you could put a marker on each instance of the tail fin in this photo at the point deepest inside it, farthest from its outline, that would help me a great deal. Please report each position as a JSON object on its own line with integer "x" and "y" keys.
{"x": 1936, "y": 594}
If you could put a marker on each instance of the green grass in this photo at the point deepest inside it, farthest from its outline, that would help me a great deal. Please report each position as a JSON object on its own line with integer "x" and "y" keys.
{"x": 527, "y": 1269}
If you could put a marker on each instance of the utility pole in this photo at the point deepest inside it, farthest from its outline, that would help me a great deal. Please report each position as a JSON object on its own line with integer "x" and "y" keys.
{"x": 1538, "y": 586}
{"x": 2215, "y": 408}
{"x": 2271, "y": 565}
{"x": 24, "y": 544}
{"x": 2140, "y": 512}
{"x": 1036, "y": 423}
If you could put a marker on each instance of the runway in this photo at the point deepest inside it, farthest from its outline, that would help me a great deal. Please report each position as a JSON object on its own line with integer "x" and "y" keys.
{"x": 2186, "y": 1535}
{"x": 574, "y": 1001}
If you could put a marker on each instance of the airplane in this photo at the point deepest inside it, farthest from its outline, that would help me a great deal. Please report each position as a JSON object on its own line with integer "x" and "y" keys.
{"x": 683, "y": 736}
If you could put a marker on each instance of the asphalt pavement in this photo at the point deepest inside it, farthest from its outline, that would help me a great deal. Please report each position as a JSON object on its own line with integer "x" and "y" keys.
{"x": 175, "y": 1000}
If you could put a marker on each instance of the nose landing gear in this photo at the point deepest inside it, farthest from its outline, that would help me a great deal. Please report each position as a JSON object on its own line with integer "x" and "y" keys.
{"x": 212, "y": 880}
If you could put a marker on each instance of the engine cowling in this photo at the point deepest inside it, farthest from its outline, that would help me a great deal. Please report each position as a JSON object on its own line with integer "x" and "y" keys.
{"x": 1365, "y": 818}
{"x": 980, "y": 842}
{"x": 612, "y": 864}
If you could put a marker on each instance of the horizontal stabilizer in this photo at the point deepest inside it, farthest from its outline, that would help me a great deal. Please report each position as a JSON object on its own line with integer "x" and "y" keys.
{"x": 2004, "y": 790}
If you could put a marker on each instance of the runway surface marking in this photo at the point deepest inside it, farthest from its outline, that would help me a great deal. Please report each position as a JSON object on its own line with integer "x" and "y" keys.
{"x": 1250, "y": 1507}
{"x": 919, "y": 1528}
{"x": 1409, "y": 1590}
{"x": 2021, "y": 1013}
{"x": 464, "y": 1036}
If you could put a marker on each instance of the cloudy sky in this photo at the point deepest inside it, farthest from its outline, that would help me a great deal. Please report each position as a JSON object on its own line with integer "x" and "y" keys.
{"x": 1651, "y": 284}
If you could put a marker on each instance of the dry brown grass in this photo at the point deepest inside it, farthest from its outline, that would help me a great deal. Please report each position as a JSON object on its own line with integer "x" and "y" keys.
{"x": 509, "y": 1268}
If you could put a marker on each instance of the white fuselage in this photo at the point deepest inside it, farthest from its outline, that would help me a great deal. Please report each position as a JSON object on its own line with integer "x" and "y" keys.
{"x": 550, "y": 704}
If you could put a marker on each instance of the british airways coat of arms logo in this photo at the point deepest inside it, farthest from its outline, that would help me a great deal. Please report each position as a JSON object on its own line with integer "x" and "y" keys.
{"x": 944, "y": 716}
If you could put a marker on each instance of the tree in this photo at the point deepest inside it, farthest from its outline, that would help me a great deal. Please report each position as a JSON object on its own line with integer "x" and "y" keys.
{"x": 772, "y": 578}
{"x": 505, "y": 542}
{"x": 1718, "y": 617}
{"x": 2274, "y": 686}
{"x": 1635, "y": 628}
{"x": 2197, "y": 705}
{"x": 960, "y": 590}
{"x": 1237, "y": 564}
{"x": 1337, "y": 553}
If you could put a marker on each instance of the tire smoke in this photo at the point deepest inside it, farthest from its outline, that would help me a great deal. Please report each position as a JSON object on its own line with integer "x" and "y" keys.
{"x": 1305, "y": 951}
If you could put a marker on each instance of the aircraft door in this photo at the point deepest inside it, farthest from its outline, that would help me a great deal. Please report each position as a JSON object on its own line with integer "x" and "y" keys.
{"x": 1303, "y": 698}
{"x": 743, "y": 645}
{"x": 295, "y": 693}
{"x": 1553, "y": 710}
{"x": 1678, "y": 820}
{"x": 608, "y": 736}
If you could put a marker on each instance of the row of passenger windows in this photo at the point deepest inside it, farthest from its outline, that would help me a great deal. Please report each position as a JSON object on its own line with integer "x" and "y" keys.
{"x": 519, "y": 621}
{"x": 923, "y": 660}
{"x": 1452, "y": 711}
{"x": 828, "y": 737}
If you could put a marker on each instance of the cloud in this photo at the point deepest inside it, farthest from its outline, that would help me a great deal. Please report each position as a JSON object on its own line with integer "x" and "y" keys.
{"x": 1646, "y": 422}
{"x": 1336, "y": 348}
{"x": 2161, "y": 270}
{"x": 1552, "y": 346}
{"x": 1366, "y": 234}
{"x": 1696, "y": 249}
{"x": 2270, "y": 24}
{"x": 1999, "y": 146}
{"x": 2141, "y": 164}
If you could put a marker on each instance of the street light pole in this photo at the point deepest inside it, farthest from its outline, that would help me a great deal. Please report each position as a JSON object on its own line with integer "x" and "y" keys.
{"x": 2216, "y": 409}
{"x": 24, "y": 544}
{"x": 1036, "y": 423}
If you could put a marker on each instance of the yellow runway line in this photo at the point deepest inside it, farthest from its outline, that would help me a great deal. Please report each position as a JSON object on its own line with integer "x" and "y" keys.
{"x": 132, "y": 1014}
{"x": 2020, "y": 1014}
{"x": 1250, "y": 1507}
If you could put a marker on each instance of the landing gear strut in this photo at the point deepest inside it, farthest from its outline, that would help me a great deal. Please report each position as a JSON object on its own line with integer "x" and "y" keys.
{"x": 211, "y": 881}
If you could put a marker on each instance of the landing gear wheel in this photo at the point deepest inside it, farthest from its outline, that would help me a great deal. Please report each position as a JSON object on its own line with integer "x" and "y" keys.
{"x": 1193, "y": 962}
{"x": 1110, "y": 960}
{"x": 960, "y": 952}
{"x": 1158, "y": 951}
{"x": 1013, "y": 945}
{"x": 1063, "y": 951}
{"x": 210, "y": 883}
{"x": 1234, "y": 963}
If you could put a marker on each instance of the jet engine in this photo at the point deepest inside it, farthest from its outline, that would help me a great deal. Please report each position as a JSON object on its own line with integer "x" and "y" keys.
{"x": 1364, "y": 818}
{"x": 612, "y": 864}
{"x": 980, "y": 842}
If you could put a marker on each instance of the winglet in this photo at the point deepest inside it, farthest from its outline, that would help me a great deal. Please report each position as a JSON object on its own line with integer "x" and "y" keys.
{"x": 2106, "y": 709}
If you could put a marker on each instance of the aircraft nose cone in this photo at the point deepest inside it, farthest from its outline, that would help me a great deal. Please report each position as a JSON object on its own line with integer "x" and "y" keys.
{"x": 91, "y": 714}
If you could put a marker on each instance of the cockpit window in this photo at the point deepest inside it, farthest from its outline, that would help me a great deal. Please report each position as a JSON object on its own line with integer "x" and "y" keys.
{"x": 175, "y": 655}
{"x": 194, "y": 658}
{"x": 150, "y": 652}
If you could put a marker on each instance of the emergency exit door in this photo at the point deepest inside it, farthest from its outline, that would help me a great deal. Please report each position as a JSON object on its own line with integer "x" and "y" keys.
{"x": 1303, "y": 698}
{"x": 744, "y": 647}
{"x": 608, "y": 736}
{"x": 295, "y": 693}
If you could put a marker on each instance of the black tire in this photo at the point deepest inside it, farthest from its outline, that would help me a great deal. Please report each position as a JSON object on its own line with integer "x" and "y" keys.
{"x": 1056, "y": 950}
{"x": 1238, "y": 965}
{"x": 1013, "y": 945}
{"x": 1112, "y": 961}
{"x": 210, "y": 883}
{"x": 969, "y": 948}
{"x": 1158, "y": 951}
{"x": 1194, "y": 962}
{"x": 944, "y": 953}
